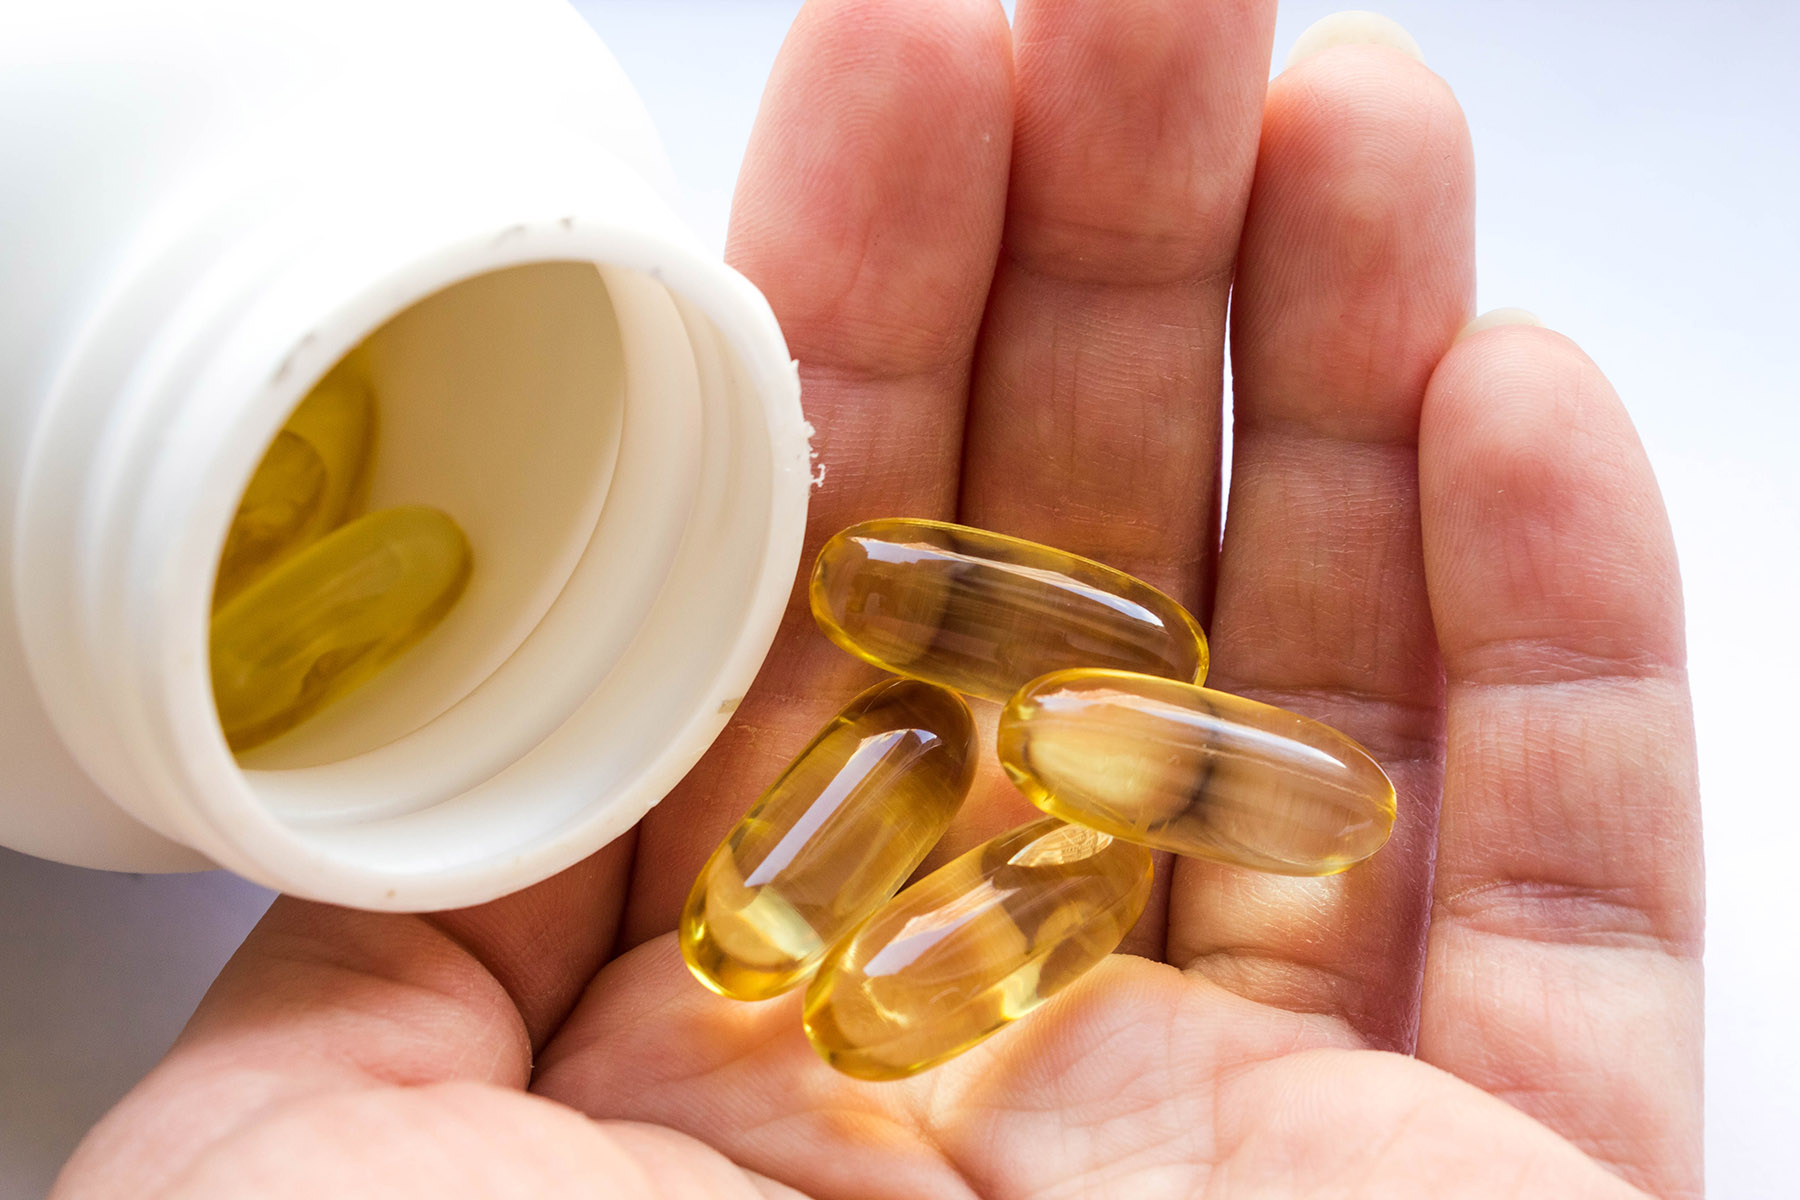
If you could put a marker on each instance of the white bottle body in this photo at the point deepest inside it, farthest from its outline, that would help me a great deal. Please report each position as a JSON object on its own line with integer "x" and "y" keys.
{"x": 211, "y": 203}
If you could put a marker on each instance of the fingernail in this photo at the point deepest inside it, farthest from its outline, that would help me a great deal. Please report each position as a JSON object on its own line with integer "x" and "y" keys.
{"x": 1353, "y": 29}
{"x": 1496, "y": 317}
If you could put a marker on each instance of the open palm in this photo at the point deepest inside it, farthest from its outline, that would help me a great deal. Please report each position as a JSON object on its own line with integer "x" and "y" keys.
{"x": 1002, "y": 258}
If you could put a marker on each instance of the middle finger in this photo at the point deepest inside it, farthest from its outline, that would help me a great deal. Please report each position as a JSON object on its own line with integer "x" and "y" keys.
{"x": 1094, "y": 419}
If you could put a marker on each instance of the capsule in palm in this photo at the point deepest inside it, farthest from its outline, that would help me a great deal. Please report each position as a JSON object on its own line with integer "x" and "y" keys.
{"x": 830, "y": 840}
{"x": 1196, "y": 771}
{"x": 330, "y": 617}
{"x": 973, "y": 946}
{"x": 984, "y": 614}
{"x": 305, "y": 486}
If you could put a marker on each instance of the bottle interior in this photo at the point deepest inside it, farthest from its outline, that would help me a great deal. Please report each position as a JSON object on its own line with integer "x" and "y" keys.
{"x": 500, "y": 401}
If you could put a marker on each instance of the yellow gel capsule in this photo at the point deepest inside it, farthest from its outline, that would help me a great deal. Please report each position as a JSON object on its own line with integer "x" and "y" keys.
{"x": 305, "y": 486}
{"x": 977, "y": 943}
{"x": 985, "y": 614}
{"x": 1198, "y": 772}
{"x": 831, "y": 840}
{"x": 280, "y": 504}
{"x": 330, "y": 617}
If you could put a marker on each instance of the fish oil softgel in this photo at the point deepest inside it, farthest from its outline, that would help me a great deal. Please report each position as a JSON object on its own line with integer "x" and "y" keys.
{"x": 984, "y": 614}
{"x": 830, "y": 840}
{"x": 329, "y": 617}
{"x": 1196, "y": 771}
{"x": 307, "y": 603}
{"x": 976, "y": 944}
{"x": 306, "y": 484}
{"x": 1105, "y": 727}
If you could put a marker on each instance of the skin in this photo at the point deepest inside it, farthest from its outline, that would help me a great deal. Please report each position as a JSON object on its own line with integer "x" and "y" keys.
{"x": 1002, "y": 258}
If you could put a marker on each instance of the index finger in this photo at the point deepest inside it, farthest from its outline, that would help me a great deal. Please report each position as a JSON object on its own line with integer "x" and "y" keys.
{"x": 869, "y": 213}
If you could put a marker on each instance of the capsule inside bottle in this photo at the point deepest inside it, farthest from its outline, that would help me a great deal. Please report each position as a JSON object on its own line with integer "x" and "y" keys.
{"x": 330, "y": 617}
{"x": 1195, "y": 771}
{"x": 984, "y": 614}
{"x": 830, "y": 840}
{"x": 306, "y": 485}
{"x": 972, "y": 946}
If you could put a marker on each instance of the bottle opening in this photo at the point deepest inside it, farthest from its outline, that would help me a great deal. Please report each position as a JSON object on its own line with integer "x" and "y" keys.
{"x": 498, "y": 401}
{"x": 633, "y": 506}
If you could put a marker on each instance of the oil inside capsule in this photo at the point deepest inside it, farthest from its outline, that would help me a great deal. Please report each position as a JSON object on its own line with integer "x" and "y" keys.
{"x": 1195, "y": 771}
{"x": 329, "y": 617}
{"x": 976, "y": 944}
{"x": 984, "y": 614}
{"x": 831, "y": 840}
{"x": 306, "y": 484}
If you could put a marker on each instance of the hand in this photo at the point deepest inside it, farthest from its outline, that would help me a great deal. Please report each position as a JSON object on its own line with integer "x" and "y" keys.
{"x": 1003, "y": 261}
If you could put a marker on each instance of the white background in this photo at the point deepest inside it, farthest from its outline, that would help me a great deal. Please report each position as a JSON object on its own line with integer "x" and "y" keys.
{"x": 1638, "y": 171}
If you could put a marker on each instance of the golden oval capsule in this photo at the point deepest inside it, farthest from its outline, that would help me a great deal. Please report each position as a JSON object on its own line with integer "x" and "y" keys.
{"x": 977, "y": 943}
{"x": 1198, "y": 772}
{"x": 305, "y": 486}
{"x": 330, "y": 617}
{"x": 985, "y": 614}
{"x": 280, "y": 503}
{"x": 831, "y": 840}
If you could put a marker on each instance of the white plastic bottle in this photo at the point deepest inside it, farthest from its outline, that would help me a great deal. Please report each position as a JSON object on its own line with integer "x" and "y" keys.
{"x": 204, "y": 205}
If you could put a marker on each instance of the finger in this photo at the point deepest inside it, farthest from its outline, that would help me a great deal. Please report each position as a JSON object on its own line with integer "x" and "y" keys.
{"x": 437, "y": 1142}
{"x": 1094, "y": 423}
{"x": 318, "y": 1001}
{"x": 869, "y": 213}
{"x": 1356, "y": 271}
{"x": 1564, "y": 963}
{"x": 345, "y": 1052}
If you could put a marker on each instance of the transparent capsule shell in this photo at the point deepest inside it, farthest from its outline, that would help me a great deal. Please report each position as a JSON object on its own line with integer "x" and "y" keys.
{"x": 1195, "y": 771}
{"x": 984, "y": 614}
{"x": 831, "y": 840}
{"x": 309, "y": 480}
{"x": 976, "y": 944}
{"x": 330, "y": 617}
